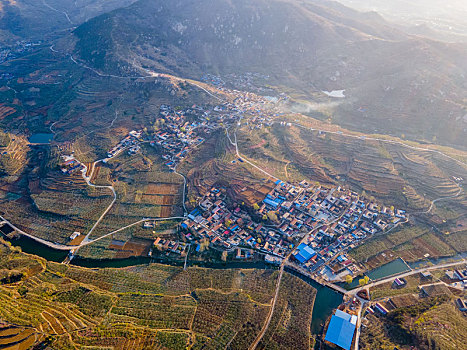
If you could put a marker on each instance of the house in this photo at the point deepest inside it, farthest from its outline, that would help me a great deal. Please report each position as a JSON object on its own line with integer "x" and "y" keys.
{"x": 381, "y": 308}
{"x": 399, "y": 282}
{"x": 74, "y": 235}
{"x": 461, "y": 304}
{"x": 426, "y": 275}
{"x": 304, "y": 253}
{"x": 341, "y": 329}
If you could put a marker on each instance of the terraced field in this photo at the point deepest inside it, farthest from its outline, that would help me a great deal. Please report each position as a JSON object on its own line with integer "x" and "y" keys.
{"x": 391, "y": 173}
{"x": 20, "y": 338}
{"x": 140, "y": 307}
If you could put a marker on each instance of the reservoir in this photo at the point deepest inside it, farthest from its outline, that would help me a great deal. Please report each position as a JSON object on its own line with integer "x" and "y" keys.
{"x": 41, "y": 139}
{"x": 392, "y": 268}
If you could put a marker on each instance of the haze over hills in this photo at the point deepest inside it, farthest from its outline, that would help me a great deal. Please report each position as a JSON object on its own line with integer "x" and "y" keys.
{"x": 32, "y": 19}
{"x": 395, "y": 83}
{"x": 433, "y": 18}
{"x": 194, "y": 155}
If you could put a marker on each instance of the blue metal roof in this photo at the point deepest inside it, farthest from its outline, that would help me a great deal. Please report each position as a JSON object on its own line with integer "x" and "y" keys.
{"x": 270, "y": 202}
{"x": 304, "y": 253}
{"x": 340, "y": 331}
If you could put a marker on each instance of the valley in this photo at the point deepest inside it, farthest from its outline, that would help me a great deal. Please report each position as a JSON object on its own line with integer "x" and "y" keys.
{"x": 195, "y": 175}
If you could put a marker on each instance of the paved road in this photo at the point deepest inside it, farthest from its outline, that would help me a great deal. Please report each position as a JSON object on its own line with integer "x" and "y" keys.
{"x": 441, "y": 199}
{"x": 405, "y": 274}
{"x": 88, "y": 182}
{"x": 276, "y": 294}
{"x": 60, "y": 246}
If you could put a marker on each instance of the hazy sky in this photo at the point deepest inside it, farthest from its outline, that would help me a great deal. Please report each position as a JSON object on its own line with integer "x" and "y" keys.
{"x": 414, "y": 7}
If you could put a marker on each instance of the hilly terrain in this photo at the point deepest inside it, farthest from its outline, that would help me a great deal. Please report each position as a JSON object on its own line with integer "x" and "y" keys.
{"x": 33, "y": 19}
{"x": 394, "y": 83}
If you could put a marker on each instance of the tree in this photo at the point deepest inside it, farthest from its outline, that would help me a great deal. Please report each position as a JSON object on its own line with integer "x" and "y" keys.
{"x": 348, "y": 279}
{"x": 363, "y": 281}
{"x": 256, "y": 206}
{"x": 272, "y": 216}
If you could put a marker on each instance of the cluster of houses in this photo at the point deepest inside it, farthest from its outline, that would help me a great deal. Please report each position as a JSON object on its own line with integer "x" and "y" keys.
{"x": 69, "y": 165}
{"x": 337, "y": 220}
{"x": 171, "y": 246}
{"x": 334, "y": 219}
{"x": 18, "y": 49}
{"x": 230, "y": 229}
{"x": 177, "y": 136}
{"x": 130, "y": 142}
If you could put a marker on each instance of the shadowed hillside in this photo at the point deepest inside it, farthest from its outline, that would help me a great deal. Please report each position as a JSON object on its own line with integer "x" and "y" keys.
{"x": 394, "y": 83}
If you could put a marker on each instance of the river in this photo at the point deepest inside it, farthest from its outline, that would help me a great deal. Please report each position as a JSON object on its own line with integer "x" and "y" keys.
{"x": 326, "y": 301}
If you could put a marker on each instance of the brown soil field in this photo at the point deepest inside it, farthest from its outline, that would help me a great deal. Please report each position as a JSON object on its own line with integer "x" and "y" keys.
{"x": 166, "y": 211}
{"x": 133, "y": 247}
{"x": 77, "y": 240}
{"x": 57, "y": 327}
{"x": 5, "y": 111}
{"x": 158, "y": 199}
{"x": 161, "y": 188}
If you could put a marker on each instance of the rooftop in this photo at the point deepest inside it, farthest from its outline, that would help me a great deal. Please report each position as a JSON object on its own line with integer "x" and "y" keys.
{"x": 341, "y": 329}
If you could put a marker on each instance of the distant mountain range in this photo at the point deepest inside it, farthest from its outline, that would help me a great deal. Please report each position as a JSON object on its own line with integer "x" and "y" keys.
{"x": 395, "y": 82}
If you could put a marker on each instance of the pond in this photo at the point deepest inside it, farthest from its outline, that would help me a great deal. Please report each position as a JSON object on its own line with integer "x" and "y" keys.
{"x": 394, "y": 267}
{"x": 40, "y": 138}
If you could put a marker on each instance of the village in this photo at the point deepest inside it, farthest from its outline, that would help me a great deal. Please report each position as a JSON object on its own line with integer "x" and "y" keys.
{"x": 317, "y": 223}
{"x": 327, "y": 222}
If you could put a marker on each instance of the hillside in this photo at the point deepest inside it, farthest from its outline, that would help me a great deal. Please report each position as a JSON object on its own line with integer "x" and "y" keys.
{"x": 56, "y": 306}
{"x": 394, "y": 83}
{"x": 32, "y": 19}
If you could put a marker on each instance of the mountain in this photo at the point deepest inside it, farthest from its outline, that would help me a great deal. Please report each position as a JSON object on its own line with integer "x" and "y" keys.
{"x": 438, "y": 18}
{"x": 33, "y": 19}
{"x": 395, "y": 83}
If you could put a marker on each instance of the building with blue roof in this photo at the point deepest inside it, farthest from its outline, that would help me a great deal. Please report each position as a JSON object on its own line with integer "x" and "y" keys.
{"x": 271, "y": 203}
{"x": 341, "y": 329}
{"x": 304, "y": 253}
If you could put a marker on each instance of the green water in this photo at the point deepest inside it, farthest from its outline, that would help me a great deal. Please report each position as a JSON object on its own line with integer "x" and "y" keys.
{"x": 41, "y": 138}
{"x": 30, "y": 246}
{"x": 394, "y": 267}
